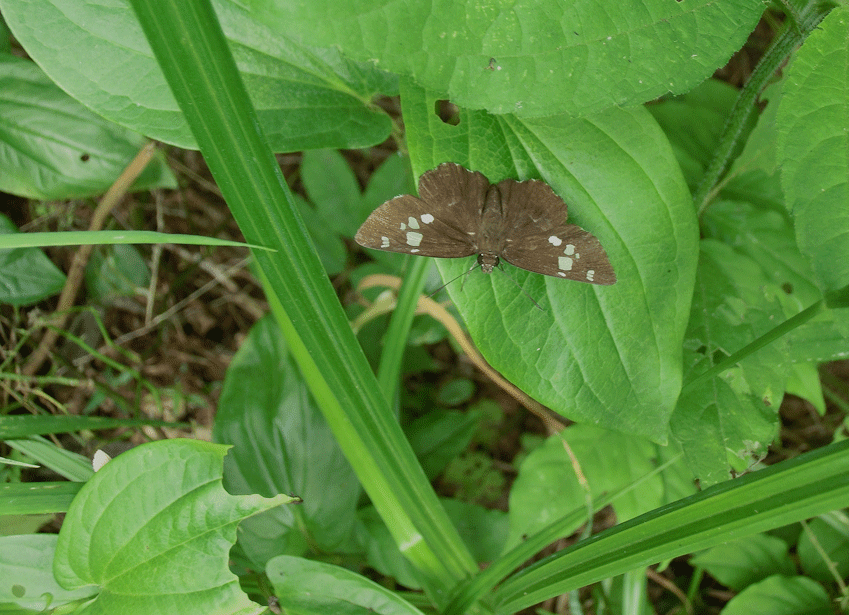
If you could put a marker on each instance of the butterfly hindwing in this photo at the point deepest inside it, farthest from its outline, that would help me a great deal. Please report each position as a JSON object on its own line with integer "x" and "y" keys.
{"x": 539, "y": 240}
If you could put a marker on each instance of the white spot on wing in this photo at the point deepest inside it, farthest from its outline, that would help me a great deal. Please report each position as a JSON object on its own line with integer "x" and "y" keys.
{"x": 414, "y": 250}
{"x": 555, "y": 241}
{"x": 403, "y": 227}
{"x": 384, "y": 242}
{"x": 427, "y": 218}
{"x": 590, "y": 274}
{"x": 570, "y": 249}
{"x": 564, "y": 263}
{"x": 414, "y": 239}
{"x": 412, "y": 222}
{"x": 99, "y": 460}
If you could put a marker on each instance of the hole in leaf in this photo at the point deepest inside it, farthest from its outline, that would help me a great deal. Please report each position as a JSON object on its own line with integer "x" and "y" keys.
{"x": 447, "y": 111}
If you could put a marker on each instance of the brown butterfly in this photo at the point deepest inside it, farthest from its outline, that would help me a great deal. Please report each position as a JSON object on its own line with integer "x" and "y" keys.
{"x": 460, "y": 213}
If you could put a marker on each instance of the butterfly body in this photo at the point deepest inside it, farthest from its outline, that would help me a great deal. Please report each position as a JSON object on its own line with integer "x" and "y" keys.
{"x": 460, "y": 213}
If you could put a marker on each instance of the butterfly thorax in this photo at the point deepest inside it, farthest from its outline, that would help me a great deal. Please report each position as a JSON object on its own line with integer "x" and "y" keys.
{"x": 490, "y": 239}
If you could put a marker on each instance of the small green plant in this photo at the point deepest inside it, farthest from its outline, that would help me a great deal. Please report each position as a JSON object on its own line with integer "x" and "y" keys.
{"x": 727, "y": 230}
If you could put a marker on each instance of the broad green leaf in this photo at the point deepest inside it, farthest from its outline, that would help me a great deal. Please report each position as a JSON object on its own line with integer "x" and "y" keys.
{"x": 741, "y": 563}
{"x": 391, "y": 178}
{"x": 54, "y": 148}
{"x": 803, "y": 380}
{"x": 26, "y": 567}
{"x": 153, "y": 529}
{"x": 332, "y": 187}
{"x": 611, "y": 355}
{"x": 306, "y": 587}
{"x": 456, "y": 392}
{"x": 305, "y": 97}
{"x": 831, "y": 534}
{"x": 548, "y": 489}
{"x": 267, "y": 413}
{"x": 534, "y": 57}
{"x": 26, "y": 274}
{"x": 693, "y": 123}
{"x": 116, "y": 271}
{"x": 814, "y": 151}
{"x": 780, "y": 595}
{"x": 328, "y": 244}
{"x": 438, "y": 437}
{"x": 766, "y": 236}
{"x": 731, "y": 419}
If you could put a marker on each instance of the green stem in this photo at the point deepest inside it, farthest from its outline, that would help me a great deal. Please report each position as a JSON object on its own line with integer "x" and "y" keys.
{"x": 389, "y": 371}
{"x": 746, "y": 103}
{"x": 788, "y": 325}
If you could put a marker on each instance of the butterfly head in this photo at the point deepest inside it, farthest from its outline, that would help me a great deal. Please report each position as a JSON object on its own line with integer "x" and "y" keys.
{"x": 488, "y": 262}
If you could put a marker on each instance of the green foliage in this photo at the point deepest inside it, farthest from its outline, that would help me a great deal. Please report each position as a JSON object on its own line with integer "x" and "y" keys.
{"x": 53, "y": 147}
{"x": 761, "y": 571}
{"x": 26, "y": 274}
{"x": 546, "y": 90}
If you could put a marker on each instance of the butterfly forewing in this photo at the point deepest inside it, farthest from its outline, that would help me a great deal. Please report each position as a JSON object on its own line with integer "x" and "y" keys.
{"x": 442, "y": 223}
{"x": 538, "y": 239}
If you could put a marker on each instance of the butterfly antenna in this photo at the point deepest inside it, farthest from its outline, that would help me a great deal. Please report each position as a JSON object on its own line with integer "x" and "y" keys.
{"x": 475, "y": 266}
{"x": 524, "y": 292}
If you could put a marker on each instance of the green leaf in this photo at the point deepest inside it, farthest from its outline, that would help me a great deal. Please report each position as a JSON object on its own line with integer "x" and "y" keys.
{"x": 766, "y": 236}
{"x": 438, "y": 437}
{"x": 813, "y": 151}
{"x": 329, "y": 246}
{"x": 548, "y": 489}
{"x": 831, "y": 533}
{"x": 31, "y": 499}
{"x": 611, "y": 355}
{"x": 456, "y": 392}
{"x": 693, "y": 122}
{"x": 305, "y": 587}
{"x": 779, "y": 595}
{"x": 153, "y": 529}
{"x": 116, "y": 271}
{"x": 26, "y": 569}
{"x": 54, "y": 148}
{"x": 305, "y": 97}
{"x": 267, "y": 413}
{"x": 19, "y": 426}
{"x": 731, "y": 419}
{"x": 803, "y": 380}
{"x": 784, "y": 493}
{"x": 484, "y": 531}
{"x": 744, "y": 562}
{"x": 382, "y": 552}
{"x": 532, "y": 57}
{"x": 331, "y": 185}
{"x": 26, "y": 274}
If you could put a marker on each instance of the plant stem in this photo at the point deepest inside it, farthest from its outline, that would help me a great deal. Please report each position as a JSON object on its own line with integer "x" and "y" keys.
{"x": 792, "y": 36}
{"x": 769, "y": 337}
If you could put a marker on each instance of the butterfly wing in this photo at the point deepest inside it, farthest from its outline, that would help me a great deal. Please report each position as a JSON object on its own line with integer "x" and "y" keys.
{"x": 442, "y": 223}
{"x": 539, "y": 240}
